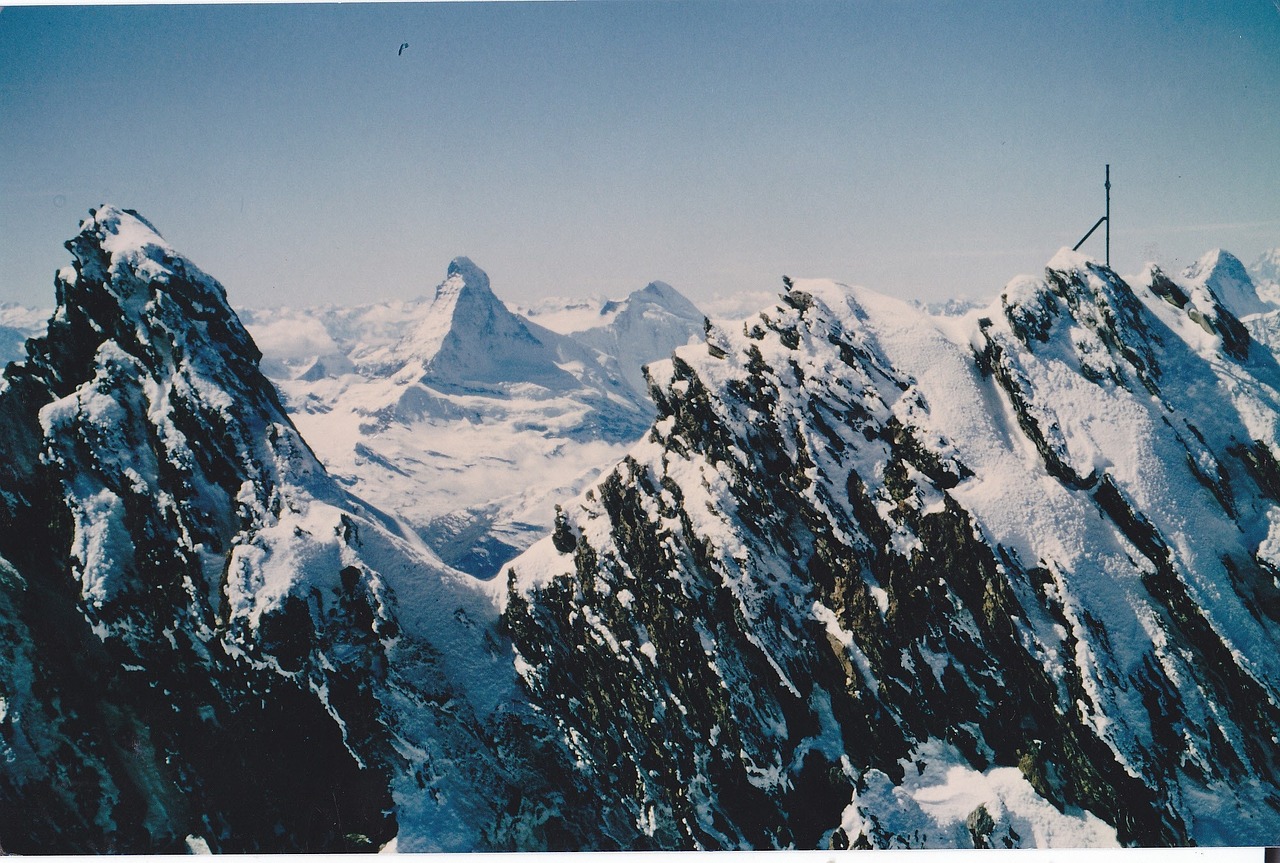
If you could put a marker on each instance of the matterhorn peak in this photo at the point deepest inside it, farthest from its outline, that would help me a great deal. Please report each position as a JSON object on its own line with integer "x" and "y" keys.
{"x": 464, "y": 294}
{"x": 469, "y": 338}
{"x": 471, "y": 275}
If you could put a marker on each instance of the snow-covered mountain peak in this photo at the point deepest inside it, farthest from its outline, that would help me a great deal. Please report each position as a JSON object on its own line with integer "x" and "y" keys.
{"x": 663, "y": 296}
{"x": 128, "y": 288}
{"x": 114, "y": 240}
{"x": 466, "y": 270}
{"x": 1267, "y": 265}
{"x": 1225, "y": 276}
{"x": 468, "y": 338}
{"x": 1265, "y": 272}
{"x": 122, "y": 232}
{"x": 464, "y": 292}
{"x": 1066, "y": 261}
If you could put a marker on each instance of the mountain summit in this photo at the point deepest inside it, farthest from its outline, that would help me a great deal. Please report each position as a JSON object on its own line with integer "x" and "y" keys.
{"x": 468, "y": 338}
{"x": 150, "y": 600}
{"x": 872, "y": 578}
{"x": 881, "y": 579}
{"x": 199, "y": 626}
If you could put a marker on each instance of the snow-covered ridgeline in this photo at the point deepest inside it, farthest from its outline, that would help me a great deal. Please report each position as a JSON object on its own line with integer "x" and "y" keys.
{"x": 1039, "y": 531}
{"x": 201, "y": 625}
{"x": 1004, "y": 576}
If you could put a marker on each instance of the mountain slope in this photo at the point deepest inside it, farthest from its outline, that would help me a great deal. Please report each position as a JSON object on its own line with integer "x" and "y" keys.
{"x": 647, "y": 325}
{"x": 466, "y": 420}
{"x": 878, "y": 578}
{"x": 874, "y": 578}
{"x": 206, "y": 641}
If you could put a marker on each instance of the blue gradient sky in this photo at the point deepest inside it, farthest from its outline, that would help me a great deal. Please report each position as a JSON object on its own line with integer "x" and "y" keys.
{"x": 922, "y": 149}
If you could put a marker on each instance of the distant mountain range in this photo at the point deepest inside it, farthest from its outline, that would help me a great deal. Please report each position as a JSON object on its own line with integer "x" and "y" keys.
{"x": 467, "y": 420}
{"x": 440, "y": 575}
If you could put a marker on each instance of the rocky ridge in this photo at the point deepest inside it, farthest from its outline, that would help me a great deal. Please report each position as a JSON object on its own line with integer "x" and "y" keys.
{"x": 208, "y": 643}
{"x": 799, "y": 613}
{"x": 874, "y": 578}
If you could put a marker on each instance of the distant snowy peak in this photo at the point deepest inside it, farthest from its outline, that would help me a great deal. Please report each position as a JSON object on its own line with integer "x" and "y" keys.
{"x": 573, "y": 315}
{"x": 1223, "y": 274}
{"x": 467, "y": 338}
{"x": 1267, "y": 266}
{"x": 656, "y": 298}
{"x": 1265, "y": 272}
{"x": 17, "y": 324}
{"x": 464, "y": 298}
{"x": 647, "y": 325}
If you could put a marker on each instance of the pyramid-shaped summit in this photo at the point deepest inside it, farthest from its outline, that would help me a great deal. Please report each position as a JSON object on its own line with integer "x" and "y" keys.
{"x": 1224, "y": 274}
{"x": 468, "y": 339}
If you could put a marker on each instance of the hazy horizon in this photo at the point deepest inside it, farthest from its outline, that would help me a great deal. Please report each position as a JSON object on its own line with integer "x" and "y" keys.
{"x": 300, "y": 156}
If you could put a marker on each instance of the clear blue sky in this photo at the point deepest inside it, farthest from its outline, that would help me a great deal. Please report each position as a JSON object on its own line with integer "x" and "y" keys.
{"x": 923, "y": 149}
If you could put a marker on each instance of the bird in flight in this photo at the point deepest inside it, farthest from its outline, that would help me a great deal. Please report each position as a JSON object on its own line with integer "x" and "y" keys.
{"x": 402, "y": 47}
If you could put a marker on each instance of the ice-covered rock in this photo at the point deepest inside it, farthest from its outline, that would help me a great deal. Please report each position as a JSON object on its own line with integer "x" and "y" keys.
{"x": 205, "y": 639}
{"x": 878, "y": 578}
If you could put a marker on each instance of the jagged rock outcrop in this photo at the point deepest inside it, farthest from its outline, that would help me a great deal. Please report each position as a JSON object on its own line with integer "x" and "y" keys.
{"x": 202, "y": 643}
{"x": 149, "y": 460}
{"x": 883, "y": 579}
{"x": 874, "y": 578}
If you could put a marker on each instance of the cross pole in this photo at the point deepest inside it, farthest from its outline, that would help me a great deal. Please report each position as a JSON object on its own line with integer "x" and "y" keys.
{"x": 1106, "y": 218}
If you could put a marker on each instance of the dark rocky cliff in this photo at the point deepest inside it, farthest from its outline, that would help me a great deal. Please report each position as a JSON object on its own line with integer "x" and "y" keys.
{"x": 863, "y": 547}
{"x": 145, "y": 453}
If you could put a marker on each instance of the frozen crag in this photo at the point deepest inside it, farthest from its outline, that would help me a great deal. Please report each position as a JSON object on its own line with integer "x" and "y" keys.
{"x": 1008, "y": 576}
{"x": 883, "y": 579}
{"x": 207, "y": 643}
